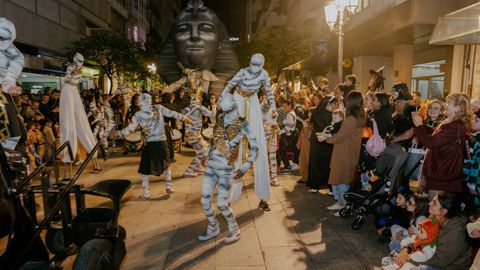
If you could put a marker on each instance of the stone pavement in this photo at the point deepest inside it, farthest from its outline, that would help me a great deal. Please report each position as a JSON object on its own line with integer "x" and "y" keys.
{"x": 297, "y": 234}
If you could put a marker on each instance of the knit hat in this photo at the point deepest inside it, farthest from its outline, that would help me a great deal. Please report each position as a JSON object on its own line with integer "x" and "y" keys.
{"x": 432, "y": 228}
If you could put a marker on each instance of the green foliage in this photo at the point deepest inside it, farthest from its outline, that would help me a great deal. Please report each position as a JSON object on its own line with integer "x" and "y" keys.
{"x": 117, "y": 56}
{"x": 281, "y": 48}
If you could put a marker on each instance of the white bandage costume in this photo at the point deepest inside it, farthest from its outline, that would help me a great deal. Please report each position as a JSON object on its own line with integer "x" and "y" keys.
{"x": 248, "y": 82}
{"x": 228, "y": 133}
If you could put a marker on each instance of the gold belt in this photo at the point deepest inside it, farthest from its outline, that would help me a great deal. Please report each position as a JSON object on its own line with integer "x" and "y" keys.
{"x": 72, "y": 84}
{"x": 246, "y": 107}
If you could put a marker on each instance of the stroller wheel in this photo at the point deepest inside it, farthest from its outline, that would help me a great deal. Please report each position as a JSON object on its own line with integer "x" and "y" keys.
{"x": 358, "y": 222}
{"x": 346, "y": 211}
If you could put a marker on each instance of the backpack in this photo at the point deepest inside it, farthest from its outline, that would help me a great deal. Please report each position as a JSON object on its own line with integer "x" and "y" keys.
{"x": 375, "y": 144}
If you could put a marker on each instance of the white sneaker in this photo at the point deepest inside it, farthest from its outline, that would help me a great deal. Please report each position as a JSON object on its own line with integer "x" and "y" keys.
{"x": 78, "y": 162}
{"x": 190, "y": 174}
{"x": 334, "y": 207}
{"x": 209, "y": 234}
{"x": 324, "y": 191}
{"x": 274, "y": 183}
{"x": 232, "y": 237}
{"x": 313, "y": 190}
{"x": 294, "y": 167}
{"x": 146, "y": 193}
{"x": 169, "y": 189}
{"x": 337, "y": 214}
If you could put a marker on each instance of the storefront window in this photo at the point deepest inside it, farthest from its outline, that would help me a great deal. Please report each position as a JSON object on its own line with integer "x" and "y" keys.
{"x": 428, "y": 79}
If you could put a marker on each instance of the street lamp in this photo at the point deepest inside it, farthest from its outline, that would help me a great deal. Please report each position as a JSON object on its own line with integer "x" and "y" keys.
{"x": 336, "y": 15}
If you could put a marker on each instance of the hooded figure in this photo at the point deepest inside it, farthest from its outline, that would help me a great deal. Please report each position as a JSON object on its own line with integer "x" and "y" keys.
{"x": 11, "y": 65}
{"x": 228, "y": 132}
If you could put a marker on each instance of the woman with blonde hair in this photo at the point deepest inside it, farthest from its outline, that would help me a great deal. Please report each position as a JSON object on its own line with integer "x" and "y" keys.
{"x": 443, "y": 165}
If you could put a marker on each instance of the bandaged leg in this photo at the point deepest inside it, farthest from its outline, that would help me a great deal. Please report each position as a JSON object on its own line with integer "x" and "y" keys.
{"x": 145, "y": 185}
{"x": 195, "y": 166}
{"x": 167, "y": 173}
{"x": 208, "y": 186}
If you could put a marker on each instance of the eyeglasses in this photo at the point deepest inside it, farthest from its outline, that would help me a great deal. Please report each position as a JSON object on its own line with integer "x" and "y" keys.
{"x": 434, "y": 108}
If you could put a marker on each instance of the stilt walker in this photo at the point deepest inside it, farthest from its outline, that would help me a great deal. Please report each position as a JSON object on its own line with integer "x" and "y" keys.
{"x": 155, "y": 158}
{"x": 74, "y": 124}
{"x": 248, "y": 82}
{"x": 228, "y": 133}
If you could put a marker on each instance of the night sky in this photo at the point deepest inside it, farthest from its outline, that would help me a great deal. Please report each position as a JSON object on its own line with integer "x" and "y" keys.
{"x": 231, "y": 12}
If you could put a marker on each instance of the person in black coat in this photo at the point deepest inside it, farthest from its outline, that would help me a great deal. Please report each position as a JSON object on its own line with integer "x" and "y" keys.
{"x": 320, "y": 152}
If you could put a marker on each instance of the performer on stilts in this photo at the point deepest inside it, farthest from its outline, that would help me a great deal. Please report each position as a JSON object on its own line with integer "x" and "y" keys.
{"x": 74, "y": 124}
{"x": 228, "y": 133}
{"x": 155, "y": 158}
{"x": 248, "y": 82}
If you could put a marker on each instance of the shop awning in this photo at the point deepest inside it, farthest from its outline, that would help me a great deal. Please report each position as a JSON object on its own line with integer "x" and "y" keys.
{"x": 459, "y": 27}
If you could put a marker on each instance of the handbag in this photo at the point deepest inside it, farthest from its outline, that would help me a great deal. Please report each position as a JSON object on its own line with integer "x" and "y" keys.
{"x": 375, "y": 144}
{"x": 414, "y": 162}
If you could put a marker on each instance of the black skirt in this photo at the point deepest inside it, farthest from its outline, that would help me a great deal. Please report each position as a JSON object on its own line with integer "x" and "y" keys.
{"x": 155, "y": 158}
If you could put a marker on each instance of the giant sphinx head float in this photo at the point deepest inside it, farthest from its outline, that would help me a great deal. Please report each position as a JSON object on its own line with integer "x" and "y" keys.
{"x": 198, "y": 40}
{"x": 7, "y": 34}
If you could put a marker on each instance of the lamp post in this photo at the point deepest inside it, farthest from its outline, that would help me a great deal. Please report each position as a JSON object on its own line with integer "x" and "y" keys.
{"x": 336, "y": 15}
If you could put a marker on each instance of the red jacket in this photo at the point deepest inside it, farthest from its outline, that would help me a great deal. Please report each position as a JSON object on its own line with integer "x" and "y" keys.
{"x": 443, "y": 165}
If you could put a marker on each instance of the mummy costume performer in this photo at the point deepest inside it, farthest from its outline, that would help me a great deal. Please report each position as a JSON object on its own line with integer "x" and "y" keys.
{"x": 155, "y": 156}
{"x": 248, "y": 82}
{"x": 74, "y": 124}
{"x": 11, "y": 65}
{"x": 193, "y": 133}
{"x": 228, "y": 133}
{"x": 105, "y": 123}
{"x": 271, "y": 130}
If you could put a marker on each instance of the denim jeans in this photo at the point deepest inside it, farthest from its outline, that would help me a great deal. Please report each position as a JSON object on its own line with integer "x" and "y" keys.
{"x": 425, "y": 267}
{"x": 339, "y": 190}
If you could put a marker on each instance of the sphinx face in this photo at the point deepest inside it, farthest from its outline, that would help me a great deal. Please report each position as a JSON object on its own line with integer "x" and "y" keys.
{"x": 7, "y": 34}
{"x": 197, "y": 42}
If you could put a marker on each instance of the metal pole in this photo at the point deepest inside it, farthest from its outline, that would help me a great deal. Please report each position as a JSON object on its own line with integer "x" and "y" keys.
{"x": 340, "y": 46}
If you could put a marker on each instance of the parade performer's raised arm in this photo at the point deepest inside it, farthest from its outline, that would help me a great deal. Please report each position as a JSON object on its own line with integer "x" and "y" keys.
{"x": 228, "y": 132}
{"x": 155, "y": 158}
{"x": 247, "y": 83}
{"x": 11, "y": 65}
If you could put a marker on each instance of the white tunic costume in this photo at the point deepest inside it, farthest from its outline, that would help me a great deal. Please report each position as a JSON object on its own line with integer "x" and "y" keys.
{"x": 249, "y": 80}
{"x": 74, "y": 124}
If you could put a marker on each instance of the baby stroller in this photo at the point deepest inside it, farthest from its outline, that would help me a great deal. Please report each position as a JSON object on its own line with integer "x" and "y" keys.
{"x": 377, "y": 201}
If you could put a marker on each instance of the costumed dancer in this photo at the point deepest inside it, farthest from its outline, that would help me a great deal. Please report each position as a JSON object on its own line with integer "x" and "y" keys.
{"x": 109, "y": 121}
{"x": 248, "y": 82}
{"x": 271, "y": 133}
{"x": 11, "y": 65}
{"x": 155, "y": 158}
{"x": 74, "y": 124}
{"x": 228, "y": 133}
{"x": 193, "y": 133}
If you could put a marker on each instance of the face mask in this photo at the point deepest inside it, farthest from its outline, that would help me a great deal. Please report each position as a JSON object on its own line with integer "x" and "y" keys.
{"x": 7, "y": 34}
{"x": 78, "y": 59}
{"x": 227, "y": 103}
{"x": 256, "y": 63}
{"x": 145, "y": 102}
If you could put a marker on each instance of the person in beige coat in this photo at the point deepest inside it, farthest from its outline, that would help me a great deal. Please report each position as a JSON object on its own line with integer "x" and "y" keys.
{"x": 346, "y": 149}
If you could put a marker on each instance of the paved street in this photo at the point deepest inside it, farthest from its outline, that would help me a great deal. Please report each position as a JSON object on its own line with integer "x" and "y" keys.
{"x": 297, "y": 234}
